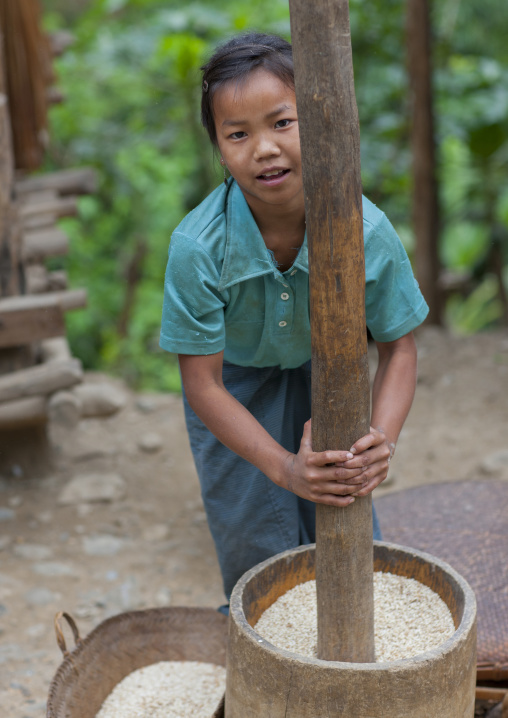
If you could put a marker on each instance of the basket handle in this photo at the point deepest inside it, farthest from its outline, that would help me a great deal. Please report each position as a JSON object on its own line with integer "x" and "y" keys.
{"x": 60, "y": 638}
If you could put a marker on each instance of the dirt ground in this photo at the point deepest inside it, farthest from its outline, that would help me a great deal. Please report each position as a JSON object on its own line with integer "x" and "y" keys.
{"x": 149, "y": 544}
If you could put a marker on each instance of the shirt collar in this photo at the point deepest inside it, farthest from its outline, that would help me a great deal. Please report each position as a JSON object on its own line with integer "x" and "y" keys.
{"x": 246, "y": 255}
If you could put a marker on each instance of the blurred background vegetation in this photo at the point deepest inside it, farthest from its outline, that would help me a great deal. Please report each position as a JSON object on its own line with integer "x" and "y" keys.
{"x": 131, "y": 110}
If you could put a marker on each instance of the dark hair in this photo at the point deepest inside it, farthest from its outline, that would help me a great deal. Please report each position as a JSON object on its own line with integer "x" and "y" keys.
{"x": 235, "y": 59}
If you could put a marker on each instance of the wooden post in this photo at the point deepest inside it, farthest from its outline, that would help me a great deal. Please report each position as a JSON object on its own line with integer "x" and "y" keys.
{"x": 9, "y": 236}
{"x": 330, "y": 140}
{"x": 425, "y": 187}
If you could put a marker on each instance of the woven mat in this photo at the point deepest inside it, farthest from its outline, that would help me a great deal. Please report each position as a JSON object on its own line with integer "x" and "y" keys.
{"x": 464, "y": 523}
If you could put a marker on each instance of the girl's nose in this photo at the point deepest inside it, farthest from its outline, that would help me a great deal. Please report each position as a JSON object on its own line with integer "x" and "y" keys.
{"x": 266, "y": 147}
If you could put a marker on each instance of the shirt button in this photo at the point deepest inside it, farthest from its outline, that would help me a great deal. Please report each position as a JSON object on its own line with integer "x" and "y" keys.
{"x": 293, "y": 272}
{"x": 283, "y": 323}
{"x": 284, "y": 296}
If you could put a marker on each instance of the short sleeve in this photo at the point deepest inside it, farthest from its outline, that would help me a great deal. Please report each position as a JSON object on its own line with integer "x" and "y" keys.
{"x": 193, "y": 308}
{"x": 394, "y": 304}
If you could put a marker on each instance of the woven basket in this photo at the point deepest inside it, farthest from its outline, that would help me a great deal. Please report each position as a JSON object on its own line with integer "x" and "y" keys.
{"x": 465, "y": 524}
{"x": 126, "y": 642}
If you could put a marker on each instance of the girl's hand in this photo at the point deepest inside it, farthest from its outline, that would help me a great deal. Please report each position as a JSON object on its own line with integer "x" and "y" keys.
{"x": 373, "y": 454}
{"x": 324, "y": 477}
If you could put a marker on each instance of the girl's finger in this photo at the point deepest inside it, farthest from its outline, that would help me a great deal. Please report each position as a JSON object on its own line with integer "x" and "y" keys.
{"x": 307, "y": 435}
{"x": 327, "y": 458}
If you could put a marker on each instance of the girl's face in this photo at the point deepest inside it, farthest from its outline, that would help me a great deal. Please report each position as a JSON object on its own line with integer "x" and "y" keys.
{"x": 257, "y": 135}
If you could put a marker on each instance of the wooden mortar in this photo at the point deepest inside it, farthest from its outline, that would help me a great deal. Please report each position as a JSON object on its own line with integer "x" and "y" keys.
{"x": 263, "y": 680}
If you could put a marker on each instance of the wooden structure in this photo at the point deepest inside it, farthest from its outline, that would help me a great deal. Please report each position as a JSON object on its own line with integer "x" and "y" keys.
{"x": 263, "y": 680}
{"x": 35, "y": 361}
{"x": 330, "y": 140}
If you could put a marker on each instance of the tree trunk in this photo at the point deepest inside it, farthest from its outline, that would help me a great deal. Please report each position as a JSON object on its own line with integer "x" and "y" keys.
{"x": 330, "y": 140}
{"x": 425, "y": 189}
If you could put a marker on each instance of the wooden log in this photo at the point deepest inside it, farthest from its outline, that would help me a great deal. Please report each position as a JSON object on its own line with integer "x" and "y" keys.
{"x": 69, "y": 299}
{"x": 38, "y": 280}
{"x": 30, "y": 318}
{"x": 40, "y": 380}
{"x": 44, "y": 194}
{"x": 40, "y": 221}
{"x": 40, "y": 244}
{"x": 55, "y": 349}
{"x": 59, "y": 207}
{"x": 65, "y": 182}
{"x": 330, "y": 142}
{"x": 24, "y": 412}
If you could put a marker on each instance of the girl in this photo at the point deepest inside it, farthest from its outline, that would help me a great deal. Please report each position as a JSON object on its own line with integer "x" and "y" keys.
{"x": 236, "y": 310}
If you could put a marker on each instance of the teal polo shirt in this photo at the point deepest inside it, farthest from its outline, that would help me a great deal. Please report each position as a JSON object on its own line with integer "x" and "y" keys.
{"x": 223, "y": 291}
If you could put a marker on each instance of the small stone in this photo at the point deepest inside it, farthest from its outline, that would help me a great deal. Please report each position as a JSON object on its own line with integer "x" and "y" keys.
{"x": 32, "y": 552}
{"x": 145, "y": 404}
{"x": 4, "y": 542}
{"x": 45, "y": 517}
{"x": 496, "y": 464}
{"x": 92, "y": 488}
{"x": 15, "y": 501}
{"x": 103, "y": 545}
{"x": 7, "y": 514}
{"x": 150, "y": 443}
{"x": 157, "y": 532}
{"x": 20, "y": 687}
{"x": 53, "y": 568}
{"x": 163, "y": 597}
{"x": 99, "y": 399}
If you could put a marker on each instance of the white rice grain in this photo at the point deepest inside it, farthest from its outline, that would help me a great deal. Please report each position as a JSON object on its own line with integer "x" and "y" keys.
{"x": 409, "y": 618}
{"x": 169, "y": 689}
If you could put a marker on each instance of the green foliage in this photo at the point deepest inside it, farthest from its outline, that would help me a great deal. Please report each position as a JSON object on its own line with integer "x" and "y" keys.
{"x": 132, "y": 111}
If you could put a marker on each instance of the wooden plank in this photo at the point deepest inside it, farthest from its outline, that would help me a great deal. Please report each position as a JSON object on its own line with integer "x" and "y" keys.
{"x": 66, "y": 182}
{"x": 40, "y": 380}
{"x": 40, "y": 244}
{"x": 25, "y": 412}
{"x": 69, "y": 299}
{"x": 60, "y": 207}
{"x": 487, "y": 693}
{"x": 45, "y": 221}
{"x": 330, "y": 142}
{"x": 9, "y": 226}
{"x": 30, "y": 318}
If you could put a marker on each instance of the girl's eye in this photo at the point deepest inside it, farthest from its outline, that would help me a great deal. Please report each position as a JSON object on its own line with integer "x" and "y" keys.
{"x": 282, "y": 123}
{"x": 237, "y": 135}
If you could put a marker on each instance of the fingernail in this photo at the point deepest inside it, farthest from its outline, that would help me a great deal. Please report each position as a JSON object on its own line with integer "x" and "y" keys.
{"x": 351, "y": 501}
{"x": 353, "y": 451}
{"x": 349, "y": 455}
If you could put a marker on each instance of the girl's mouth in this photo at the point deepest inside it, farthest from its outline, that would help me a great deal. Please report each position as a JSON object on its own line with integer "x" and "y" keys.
{"x": 273, "y": 177}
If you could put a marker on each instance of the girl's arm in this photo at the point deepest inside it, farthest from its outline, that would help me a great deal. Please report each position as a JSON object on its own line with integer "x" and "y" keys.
{"x": 392, "y": 396}
{"x": 317, "y": 476}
